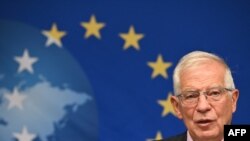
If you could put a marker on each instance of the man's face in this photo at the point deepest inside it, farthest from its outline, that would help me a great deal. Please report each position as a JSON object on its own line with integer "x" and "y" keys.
{"x": 206, "y": 119}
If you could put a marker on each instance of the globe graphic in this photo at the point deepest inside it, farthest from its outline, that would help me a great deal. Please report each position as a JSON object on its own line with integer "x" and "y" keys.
{"x": 44, "y": 93}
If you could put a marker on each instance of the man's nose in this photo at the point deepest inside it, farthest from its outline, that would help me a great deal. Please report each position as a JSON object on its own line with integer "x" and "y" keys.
{"x": 203, "y": 105}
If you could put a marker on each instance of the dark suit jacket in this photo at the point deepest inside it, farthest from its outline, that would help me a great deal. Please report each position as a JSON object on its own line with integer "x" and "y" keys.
{"x": 180, "y": 137}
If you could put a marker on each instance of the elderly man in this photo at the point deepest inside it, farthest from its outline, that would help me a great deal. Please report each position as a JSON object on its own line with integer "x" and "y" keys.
{"x": 205, "y": 96}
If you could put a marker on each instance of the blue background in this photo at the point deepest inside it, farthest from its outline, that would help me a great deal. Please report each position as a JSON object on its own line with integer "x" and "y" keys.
{"x": 125, "y": 94}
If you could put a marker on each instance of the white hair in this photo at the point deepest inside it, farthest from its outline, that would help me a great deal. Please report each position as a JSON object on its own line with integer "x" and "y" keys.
{"x": 194, "y": 59}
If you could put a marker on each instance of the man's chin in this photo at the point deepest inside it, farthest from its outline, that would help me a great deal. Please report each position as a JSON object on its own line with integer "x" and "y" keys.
{"x": 208, "y": 134}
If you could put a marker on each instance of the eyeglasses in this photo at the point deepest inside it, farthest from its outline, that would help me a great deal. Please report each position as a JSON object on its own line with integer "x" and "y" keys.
{"x": 191, "y": 97}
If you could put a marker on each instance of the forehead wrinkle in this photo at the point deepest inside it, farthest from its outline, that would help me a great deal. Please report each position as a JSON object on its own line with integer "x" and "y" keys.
{"x": 203, "y": 76}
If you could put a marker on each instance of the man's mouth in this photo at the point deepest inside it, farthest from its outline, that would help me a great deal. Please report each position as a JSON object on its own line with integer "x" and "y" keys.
{"x": 204, "y": 122}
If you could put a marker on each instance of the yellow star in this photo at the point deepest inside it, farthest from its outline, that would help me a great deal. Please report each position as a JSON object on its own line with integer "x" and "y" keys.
{"x": 54, "y": 36}
{"x": 92, "y": 27}
{"x": 167, "y": 106}
{"x": 159, "y": 67}
{"x": 131, "y": 38}
{"x": 158, "y": 137}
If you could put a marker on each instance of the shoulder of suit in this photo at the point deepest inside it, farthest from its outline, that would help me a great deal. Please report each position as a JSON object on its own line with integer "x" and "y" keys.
{"x": 179, "y": 137}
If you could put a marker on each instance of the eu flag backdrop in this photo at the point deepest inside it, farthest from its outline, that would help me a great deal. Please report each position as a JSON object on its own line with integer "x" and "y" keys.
{"x": 102, "y": 70}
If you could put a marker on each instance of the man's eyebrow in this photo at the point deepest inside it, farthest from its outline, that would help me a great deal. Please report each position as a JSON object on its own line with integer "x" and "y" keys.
{"x": 190, "y": 89}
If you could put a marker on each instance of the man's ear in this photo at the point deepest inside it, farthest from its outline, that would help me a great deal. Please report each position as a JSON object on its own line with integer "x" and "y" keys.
{"x": 176, "y": 105}
{"x": 235, "y": 96}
